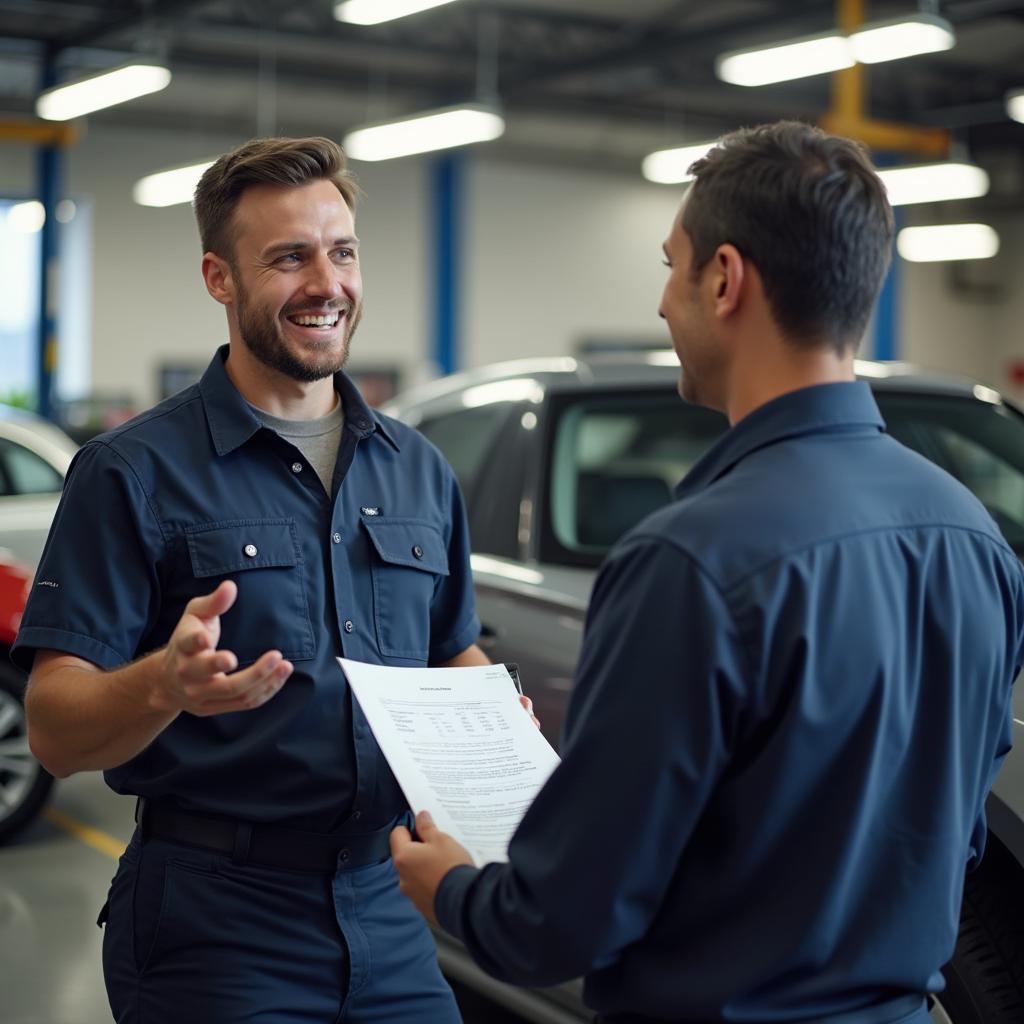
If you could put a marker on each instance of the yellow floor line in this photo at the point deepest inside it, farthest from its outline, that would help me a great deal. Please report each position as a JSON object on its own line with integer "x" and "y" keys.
{"x": 85, "y": 833}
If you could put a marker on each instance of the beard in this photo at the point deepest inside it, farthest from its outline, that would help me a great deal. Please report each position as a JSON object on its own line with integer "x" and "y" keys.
{"x": 264, "y": 338}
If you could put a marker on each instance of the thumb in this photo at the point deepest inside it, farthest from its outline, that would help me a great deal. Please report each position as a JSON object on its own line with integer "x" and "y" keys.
{"x": 425, "y": 827}
{"x": 399, "y": 840}
{"x": 211, "y": 605}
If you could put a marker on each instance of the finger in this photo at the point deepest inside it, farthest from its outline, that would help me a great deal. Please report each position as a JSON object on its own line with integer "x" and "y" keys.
{"x": 399, "y": 840}
{"x": 199, "y": 668}
{"x": 249, "y": 688}
{"x": 192, "y": 638}
{"x": 425, "y": 827}
{"x": 526, "y": 702}
{"x": 217, "y": 603}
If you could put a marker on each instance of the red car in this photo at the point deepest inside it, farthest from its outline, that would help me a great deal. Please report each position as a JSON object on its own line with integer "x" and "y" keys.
{"x": 24, "y": 783}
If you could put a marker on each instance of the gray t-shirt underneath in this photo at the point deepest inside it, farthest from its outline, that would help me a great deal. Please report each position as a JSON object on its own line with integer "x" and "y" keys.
{"x": 318, "y": 440}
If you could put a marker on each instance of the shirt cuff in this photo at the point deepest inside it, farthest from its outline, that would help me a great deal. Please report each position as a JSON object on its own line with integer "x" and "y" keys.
{"x": 450, "y": 897}
{"x": 457, "y": 643}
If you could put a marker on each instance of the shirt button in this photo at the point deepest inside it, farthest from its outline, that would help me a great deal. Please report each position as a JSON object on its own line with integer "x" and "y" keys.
{"x": 349, "y": 625}
{"x": 356, "y": 815}
{"x": 336, "y": 537}
{"x": 250, "y": 550}
{"x": 417, "y": 551}
{"x": 344, "y": 856}
{"x": 296, "y": 467}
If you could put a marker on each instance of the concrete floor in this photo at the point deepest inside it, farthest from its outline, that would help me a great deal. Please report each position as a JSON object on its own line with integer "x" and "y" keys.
{"x": 53, "y": 880}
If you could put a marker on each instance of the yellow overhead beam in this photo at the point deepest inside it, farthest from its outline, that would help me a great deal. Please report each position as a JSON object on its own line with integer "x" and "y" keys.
{"x": 847, "y": 115}
{"x": 38, "y": 133}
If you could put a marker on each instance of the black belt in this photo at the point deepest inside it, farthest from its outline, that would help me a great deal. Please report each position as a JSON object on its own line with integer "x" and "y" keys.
{"x": 264, "y": 845}
{"x": 880, "y": 1013}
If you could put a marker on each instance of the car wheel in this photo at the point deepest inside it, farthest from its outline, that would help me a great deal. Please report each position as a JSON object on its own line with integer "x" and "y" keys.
{"x": 24, "y": 782}
{"x": 985, "y": 978}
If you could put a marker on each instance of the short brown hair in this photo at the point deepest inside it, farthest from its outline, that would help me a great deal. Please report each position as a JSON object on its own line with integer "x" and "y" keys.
{"x": 264, "y": 162}
{"x": 810, "y": 212}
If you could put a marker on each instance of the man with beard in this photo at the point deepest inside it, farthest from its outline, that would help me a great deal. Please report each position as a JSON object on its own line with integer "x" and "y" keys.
{"x": 208, "y": 562}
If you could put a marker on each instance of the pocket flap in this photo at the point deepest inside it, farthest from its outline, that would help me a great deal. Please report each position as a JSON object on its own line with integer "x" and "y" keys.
{"x": 411, "y": 542}
{"x": 220, "y": 548}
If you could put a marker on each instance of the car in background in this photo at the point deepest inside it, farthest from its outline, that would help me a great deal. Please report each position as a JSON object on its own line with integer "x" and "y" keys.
{"x": 557, "y": 458}
{"x": 34, "y": 459}
{"x": 24, "y": 783}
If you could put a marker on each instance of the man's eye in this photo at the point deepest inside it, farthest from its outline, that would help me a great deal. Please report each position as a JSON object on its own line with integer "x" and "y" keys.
{"x": 288, "y": 257}
{"x": 666, "y": 263}
{"x": 344, "y": 254}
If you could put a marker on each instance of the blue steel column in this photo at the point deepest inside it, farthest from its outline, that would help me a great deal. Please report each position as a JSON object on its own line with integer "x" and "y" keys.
{"x": 447, "y": 235}
{"x": 48, "y": 166}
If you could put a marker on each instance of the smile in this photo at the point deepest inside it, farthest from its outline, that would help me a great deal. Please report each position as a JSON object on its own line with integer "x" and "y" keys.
{"x": 316, "y": 320}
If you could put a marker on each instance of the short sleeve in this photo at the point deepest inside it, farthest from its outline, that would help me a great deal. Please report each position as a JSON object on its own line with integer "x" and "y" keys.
{"x": 96, "y": 588}
{"x": 453, "y": 620}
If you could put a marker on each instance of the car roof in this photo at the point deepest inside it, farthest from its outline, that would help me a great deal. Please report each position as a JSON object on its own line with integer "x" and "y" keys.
{"x": 38, "y": 435}
{"x": 654, "y": 368}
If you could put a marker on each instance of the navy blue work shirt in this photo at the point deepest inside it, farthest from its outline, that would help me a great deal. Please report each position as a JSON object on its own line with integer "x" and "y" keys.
{"x": 793, "y": 696}
{"x": 196, "y": 491}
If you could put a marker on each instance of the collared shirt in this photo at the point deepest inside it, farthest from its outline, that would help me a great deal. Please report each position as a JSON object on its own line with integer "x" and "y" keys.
{"x": 793, "y": 696}
{"x": 196, "y": 491}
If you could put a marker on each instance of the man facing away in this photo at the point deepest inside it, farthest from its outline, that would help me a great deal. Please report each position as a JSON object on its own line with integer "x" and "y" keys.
{"x": 794, "y": 688}
{"x": 208, "y": 562}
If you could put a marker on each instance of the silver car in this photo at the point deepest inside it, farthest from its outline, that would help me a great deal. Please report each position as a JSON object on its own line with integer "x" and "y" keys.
{"x": 557, "y": 458}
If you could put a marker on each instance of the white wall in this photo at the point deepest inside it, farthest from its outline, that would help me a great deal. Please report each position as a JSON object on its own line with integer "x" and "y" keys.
{"x": 550, "y": 257}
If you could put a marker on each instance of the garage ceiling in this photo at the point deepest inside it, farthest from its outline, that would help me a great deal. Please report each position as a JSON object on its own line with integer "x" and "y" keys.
{"x": 594, "y": 81}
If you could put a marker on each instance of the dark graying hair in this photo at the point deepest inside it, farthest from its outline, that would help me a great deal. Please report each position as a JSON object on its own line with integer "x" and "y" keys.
{"x": 264, "y": 162}
{"x": 809, "y": 211}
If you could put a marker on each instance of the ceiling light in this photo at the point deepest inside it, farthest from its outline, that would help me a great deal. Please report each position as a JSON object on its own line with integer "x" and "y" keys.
{"x": 947, "y": 242}
{"x": 26, "y": 218}
{"x": 423, "y": 133}
{"x": 813, "y": 55}
{"x": 933, "y": 183}
{"x": 104, "y": 89}
{"x": 373, "y": 12}
{"x": 168, "y": 188}
{"x": 901, "y": 37}
{"x": 669, "y": 166}
{"x": 1015, "y": 105}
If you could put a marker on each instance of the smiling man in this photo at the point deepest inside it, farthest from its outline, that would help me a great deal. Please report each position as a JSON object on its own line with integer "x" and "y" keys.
{"x": 794, "y": 689}
{"x": 208, "y": 562}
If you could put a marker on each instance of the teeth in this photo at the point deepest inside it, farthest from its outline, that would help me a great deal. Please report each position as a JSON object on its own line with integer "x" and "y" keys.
{"x": 316, "y": 321}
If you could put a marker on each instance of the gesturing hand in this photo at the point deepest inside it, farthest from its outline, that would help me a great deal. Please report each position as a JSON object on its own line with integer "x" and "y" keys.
{"x": 198, "y": 678}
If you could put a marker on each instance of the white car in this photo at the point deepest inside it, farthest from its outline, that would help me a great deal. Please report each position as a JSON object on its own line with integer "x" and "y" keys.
{"x": 34, "y": 458}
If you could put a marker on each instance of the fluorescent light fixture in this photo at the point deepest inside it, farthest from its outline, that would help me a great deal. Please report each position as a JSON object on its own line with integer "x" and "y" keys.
{"x": 947, "y": 242}
{"x": 104, "y": 89}
{"x": 26, "y": 218}
{"x": 1015, "y": 105}
{"x": 812, "y": 55}
{"x": 901, "y": 37}
{"x": 168, "y": 188}
{"x": 373, "y": 12}
{"x": 423, "y": 133}
{"x": 933, "y": 183}
{"x": 669, "y": 166}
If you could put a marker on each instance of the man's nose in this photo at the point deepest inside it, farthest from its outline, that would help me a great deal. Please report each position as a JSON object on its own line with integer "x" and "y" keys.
{"x": 323, "y": 279}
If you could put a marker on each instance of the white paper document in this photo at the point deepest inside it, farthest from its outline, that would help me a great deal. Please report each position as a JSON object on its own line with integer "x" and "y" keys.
{"x": 460, "y": 744}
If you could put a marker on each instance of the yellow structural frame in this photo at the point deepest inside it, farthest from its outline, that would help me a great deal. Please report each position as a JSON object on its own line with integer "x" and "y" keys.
{"x": 847, "y": 117}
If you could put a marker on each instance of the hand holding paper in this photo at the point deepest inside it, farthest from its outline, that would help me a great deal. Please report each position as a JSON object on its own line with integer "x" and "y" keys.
{"x": 422, "y": 865}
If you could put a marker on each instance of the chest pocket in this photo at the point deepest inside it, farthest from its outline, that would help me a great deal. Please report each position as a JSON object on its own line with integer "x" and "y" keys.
{"x": 263, "y": 557}
{"x": 407, "y": 562}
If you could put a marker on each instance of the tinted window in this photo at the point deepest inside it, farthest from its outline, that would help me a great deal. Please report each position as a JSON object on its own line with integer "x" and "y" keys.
{"x": 980, "y": 443}
{"x": 614, "y": 460}
{"x": 465, "y": 437}
{"x": 24, "y": 472}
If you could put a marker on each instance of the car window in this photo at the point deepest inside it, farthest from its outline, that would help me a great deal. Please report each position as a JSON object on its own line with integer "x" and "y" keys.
{"x": 614, "y": 460}
{"x": 24, "y": 472}
{"x": 465, "y": 437}
{"x": 980, "y": 443}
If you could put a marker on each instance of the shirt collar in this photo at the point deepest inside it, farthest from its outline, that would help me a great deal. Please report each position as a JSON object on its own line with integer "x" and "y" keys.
{"x": 819, "y": 409}
{"x": 232, "y": 422}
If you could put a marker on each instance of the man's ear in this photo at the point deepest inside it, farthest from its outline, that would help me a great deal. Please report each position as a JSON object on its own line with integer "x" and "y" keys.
{"x": 728, "y": 280}
{"x": 218, "y": 278}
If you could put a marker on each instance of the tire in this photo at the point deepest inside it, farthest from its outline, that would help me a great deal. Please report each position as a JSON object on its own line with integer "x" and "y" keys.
{"x": 985, "y": 978}
{"x": 24, "y": 782}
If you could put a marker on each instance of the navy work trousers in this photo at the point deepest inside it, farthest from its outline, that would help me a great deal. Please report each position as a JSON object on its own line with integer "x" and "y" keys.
{"x": 192, "y": 937}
